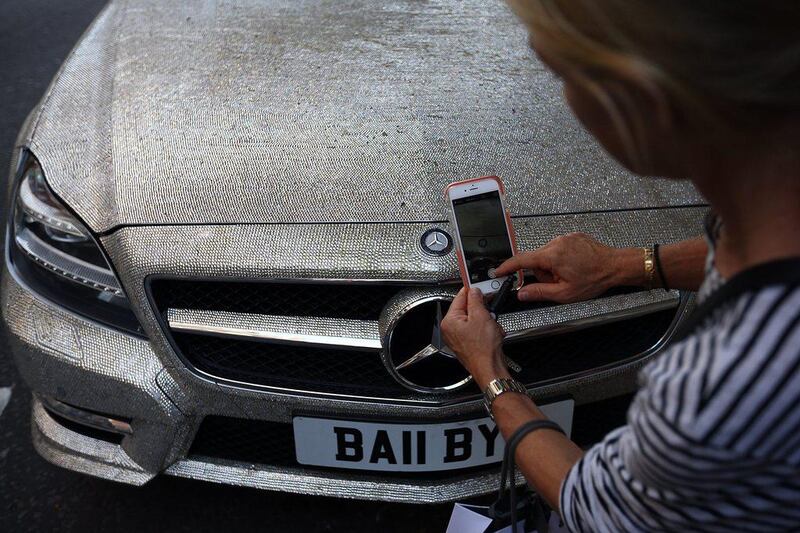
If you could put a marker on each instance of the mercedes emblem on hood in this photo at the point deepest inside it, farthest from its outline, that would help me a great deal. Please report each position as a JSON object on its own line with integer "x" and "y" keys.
{"x": 436, "y": 241}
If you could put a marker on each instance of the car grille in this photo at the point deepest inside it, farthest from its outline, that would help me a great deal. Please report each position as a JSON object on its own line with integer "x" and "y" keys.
{"x": 272, "y": 443}
{"x": 360, "y": 372}
{"x": 345, "y": 300}
{"x": 281, "y": 365}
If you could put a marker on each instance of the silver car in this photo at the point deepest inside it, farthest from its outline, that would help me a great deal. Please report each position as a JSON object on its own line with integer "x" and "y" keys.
{"x": 228, "y": 240}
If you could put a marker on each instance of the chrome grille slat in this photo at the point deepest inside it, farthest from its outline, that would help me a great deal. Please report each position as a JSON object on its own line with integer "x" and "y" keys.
{"x": 571, "y": 317}
{"x": 364, "y": 334}
{"x": 319, "y": 338}
{"x": 340, "y": 332}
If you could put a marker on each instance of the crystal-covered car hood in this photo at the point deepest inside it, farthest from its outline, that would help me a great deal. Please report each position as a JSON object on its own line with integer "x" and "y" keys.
{"x": 172, "y": 112}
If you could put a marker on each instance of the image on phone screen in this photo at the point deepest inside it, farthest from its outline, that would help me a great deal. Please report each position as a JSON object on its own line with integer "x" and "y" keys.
{"x": 484, "y": 239}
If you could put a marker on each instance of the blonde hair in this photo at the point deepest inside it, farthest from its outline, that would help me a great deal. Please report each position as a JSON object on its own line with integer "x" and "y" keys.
{"x": 720, "y": 61}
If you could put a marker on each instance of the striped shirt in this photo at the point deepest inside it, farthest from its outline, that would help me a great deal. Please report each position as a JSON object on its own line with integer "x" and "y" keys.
{"x": 713, "y": 435}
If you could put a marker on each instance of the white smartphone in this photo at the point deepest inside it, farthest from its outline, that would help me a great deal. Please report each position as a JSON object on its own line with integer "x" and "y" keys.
{"x": 484, "y": 235}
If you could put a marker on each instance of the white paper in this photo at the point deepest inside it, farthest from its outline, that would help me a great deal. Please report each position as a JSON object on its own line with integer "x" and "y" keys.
{"x": 5, "y": 396}
{"x": 465, "y": 520}
{"x": 473, "y": 519}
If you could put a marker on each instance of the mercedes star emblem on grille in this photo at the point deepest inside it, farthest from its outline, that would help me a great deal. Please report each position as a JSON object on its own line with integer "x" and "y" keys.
{"x": 415, "y": 353}
{"x": 436, "y": 241}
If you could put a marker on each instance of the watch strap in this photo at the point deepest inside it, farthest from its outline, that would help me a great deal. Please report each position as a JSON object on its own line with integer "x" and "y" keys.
{"x": 499, "y": 386}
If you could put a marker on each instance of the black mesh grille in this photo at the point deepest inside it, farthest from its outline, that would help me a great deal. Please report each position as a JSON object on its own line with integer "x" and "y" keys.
{"x": 362, "y": 301}
{"x": 272, "y": 443}
{"x": 302, "y": 367}
{"x": 361, "y": 372}
{"x": 354, "y": 372}
{"x": 246, "y": 441}
{"x": 555, "y": 356}
{"x": 345, "y": 300}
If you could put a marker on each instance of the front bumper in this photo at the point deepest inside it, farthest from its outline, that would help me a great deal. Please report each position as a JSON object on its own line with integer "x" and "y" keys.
{"x": 87, "y": 365}
{"x": 81, "y": 363}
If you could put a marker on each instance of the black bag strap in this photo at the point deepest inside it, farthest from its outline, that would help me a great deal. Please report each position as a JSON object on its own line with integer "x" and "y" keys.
{"x": 507, "y": 476}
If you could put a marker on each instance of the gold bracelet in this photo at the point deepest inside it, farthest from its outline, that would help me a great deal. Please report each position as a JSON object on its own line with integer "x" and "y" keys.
{"x": 649, "y": 266}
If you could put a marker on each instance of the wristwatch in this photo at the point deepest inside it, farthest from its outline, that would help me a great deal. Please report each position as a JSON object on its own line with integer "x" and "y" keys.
{"x": 499, "y": 386}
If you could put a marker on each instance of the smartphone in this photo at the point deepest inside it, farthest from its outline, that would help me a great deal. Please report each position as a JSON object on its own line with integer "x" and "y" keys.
{"x": 484, "y": 236}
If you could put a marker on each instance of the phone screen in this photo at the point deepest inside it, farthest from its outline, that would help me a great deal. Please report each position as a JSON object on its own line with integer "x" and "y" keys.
{"x": 484, "y": 239}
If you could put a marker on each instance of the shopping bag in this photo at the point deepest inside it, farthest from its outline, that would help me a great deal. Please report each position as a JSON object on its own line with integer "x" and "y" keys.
{"x": 478, "y": 519}
{"x": 513, "y": 504}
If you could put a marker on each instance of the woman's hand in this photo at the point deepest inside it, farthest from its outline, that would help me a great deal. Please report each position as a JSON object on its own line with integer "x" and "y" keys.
{"x": 475, "y": 338}
{"x": 570, "y": 268}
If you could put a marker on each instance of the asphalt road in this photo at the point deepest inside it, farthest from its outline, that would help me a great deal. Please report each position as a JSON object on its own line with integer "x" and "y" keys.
{"x": 35, "y": 37}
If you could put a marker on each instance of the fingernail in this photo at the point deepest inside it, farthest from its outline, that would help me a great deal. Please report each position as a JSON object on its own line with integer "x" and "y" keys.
{"x": 522, "y": 296}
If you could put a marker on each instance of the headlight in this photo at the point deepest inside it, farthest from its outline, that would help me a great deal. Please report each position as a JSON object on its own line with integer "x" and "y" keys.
{"x": 57, "y": 257}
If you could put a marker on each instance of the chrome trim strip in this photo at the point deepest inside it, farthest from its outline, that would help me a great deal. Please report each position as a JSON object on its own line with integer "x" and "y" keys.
{"x": 573, "y": 317}
{"x": 410, "y": 283}
{"x": 364, "y": 334}
{"x": 315, "y": 481}
{"x": 86, "y": 418}
{"x": 320, "y": 331}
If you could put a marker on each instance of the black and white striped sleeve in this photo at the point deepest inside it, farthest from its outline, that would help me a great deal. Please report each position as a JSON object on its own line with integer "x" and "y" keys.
{"x": 712, "y": 436}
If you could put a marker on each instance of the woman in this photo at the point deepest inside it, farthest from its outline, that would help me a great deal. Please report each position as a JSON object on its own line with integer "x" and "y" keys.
{"x": 708, "y": 91}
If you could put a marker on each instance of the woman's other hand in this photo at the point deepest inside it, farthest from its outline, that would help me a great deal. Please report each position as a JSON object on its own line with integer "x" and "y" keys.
{"x": 476, "y": 339}
{"x": 569, "y": 268}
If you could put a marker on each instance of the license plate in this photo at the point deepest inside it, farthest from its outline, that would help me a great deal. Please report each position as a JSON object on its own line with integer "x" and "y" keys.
{"x": 391, "y": 447}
